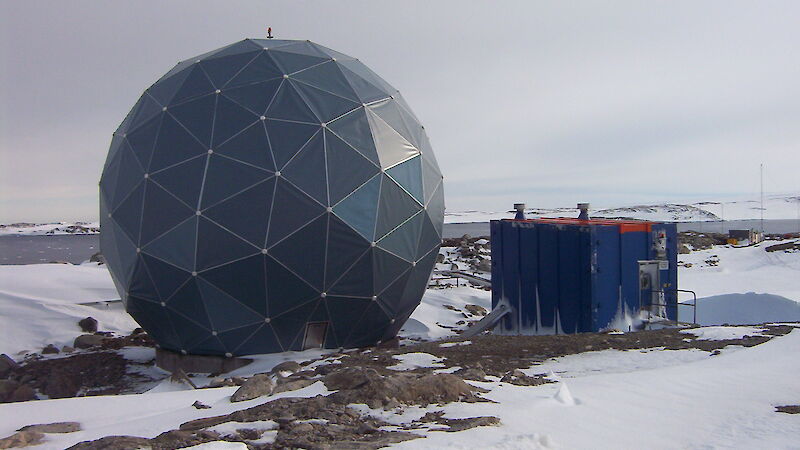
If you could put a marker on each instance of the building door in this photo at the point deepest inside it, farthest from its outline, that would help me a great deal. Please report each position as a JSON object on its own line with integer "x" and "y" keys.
{"x": 651, "y": 298}
{"x": 315, "y": 335}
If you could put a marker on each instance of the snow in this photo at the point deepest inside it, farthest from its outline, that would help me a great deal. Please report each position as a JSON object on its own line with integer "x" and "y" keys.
{"x": 741, "y": 270}
{"x": 655, "y": 398}
{"x": 723, "y": 333}
{"x": 146, "y": 415}
{"x": 614, "y": 361}
{"x": 58, "y": 283}
{"x": 411, "y": 361}
{"x": 741, "y": 285}
{"x": 724, "y": 401}
{"x": 776, "y": 206}
{"x": 427, "y": 320}
{"x": 564, "y": 396}
{"x": 56, "y": 228}
{"x": 454, "y": 344}
{"x": 40, "y": 304}
{"x": 220, "y": 445}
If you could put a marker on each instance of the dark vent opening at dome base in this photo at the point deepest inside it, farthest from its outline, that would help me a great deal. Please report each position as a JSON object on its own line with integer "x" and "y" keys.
{"x": 270, "y": 196}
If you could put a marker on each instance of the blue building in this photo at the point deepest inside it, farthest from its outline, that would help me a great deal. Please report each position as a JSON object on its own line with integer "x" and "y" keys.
{"x": 571, "y": 275}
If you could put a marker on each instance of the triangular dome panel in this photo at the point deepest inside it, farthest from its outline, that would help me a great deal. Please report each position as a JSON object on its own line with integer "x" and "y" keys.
{"x": 217, "y": 246}
{"x": 226, "y": 177}
{"x": 347, "y": 168}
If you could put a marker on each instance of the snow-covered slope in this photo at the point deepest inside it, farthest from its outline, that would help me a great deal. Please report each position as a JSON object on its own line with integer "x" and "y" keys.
{"x": 731, "y": 270}
{"x": 775, "y": 207}
{"x": 651, "y": 398}
{"x": 683, "y": 399}
{"x": 41, "y": 304}
{"x": 44, "y": 229}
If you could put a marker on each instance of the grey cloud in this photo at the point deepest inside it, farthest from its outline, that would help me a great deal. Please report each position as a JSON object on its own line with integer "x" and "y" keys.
{"x": 554, "y": 101}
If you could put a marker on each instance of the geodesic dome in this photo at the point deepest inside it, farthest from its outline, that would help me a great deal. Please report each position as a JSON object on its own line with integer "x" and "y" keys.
{"x": 267, "y": 196}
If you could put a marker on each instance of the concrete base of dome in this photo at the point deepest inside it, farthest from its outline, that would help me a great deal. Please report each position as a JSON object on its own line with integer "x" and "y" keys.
{"x": 172, "y": 361}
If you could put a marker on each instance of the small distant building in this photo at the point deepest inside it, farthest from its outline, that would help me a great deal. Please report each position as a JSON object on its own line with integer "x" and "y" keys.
{"x": 744, "y": 237}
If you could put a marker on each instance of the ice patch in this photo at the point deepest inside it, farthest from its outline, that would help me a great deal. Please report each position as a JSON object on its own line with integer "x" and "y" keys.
{"x": 453, "y": 344}
{"x": 220, "y": 445}
{"x": 448, "y": 370}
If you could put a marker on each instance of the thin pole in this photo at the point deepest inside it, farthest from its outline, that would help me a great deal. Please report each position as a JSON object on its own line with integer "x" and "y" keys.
{"x": 762, "y": 198}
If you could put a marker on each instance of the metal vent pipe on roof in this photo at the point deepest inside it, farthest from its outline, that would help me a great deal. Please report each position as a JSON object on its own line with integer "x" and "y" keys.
{"x": 584, "y": 209}
{"x": 520, "y": 208}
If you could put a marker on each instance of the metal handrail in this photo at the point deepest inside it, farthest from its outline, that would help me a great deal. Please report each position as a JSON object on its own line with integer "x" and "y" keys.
{"x": 677, "y": 304}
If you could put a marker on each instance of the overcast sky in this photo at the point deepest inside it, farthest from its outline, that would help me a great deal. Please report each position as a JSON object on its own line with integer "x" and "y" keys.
{"x": 550, "y": 103}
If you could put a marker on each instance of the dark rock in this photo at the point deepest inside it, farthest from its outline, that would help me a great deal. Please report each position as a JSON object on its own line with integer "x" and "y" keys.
{"x": 7, "y": 387}
{"x": 254, "y": 387}
{"x": 225, "y": 382}
{"x": 50, "y": 350}
{"x": 22, "y": 439}
{"x": 206, "y": 422}
{"x": 62, "y": 384}
{"x": 409, "y": 389}
{"x": 57, "y": 427}
{"x": 23, "y": 393}
{"x": 88, "y": 341}
{"x": 788, "y": 409}
{"x": 200, "y": 405}
{"x": 345, "y": 428}
{"x": 67, "y": 349}
{"x": 389, "y": 343}
{"x": 518, "y": 377}
{"x": 176, "y": 439}
{"x": 302, "y": 428}
{"x": 366, "y": 428}
{"x": 88, "y": 325}
{"x": 349, "y": 378}
{"x": 455, "y": 425}
{"x": 292, "y": 385}
{"x": 472, "y": 373}
{"x": 98, "y": 258}
{"x": 7, "y": 364}
{"x": 484, "y": 265}
{"x": 476, "y": 310}
{"x": 286, "y": 366}
{"x": 180, "y": 377}
{"x": 113, "y": 443}
{"x": 137, "y": 331}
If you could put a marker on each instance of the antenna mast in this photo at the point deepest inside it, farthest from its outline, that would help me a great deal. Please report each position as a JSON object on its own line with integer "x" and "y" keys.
{"x": 762, "y": 198}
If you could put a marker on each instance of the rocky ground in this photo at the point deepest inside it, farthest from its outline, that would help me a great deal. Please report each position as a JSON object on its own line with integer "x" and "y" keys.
{"x": 399, "y": 375}
{"x": 371, "y": 376}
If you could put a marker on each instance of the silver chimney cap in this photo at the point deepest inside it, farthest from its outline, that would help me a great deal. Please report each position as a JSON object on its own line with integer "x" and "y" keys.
{"x": 584, "y": 209}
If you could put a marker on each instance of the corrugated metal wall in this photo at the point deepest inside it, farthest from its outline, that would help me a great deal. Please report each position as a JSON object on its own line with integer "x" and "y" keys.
{"x": 568, "y": 276}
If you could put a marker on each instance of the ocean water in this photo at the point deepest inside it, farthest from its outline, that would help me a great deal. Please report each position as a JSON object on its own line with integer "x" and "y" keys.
{"x": 78, "y": 248}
